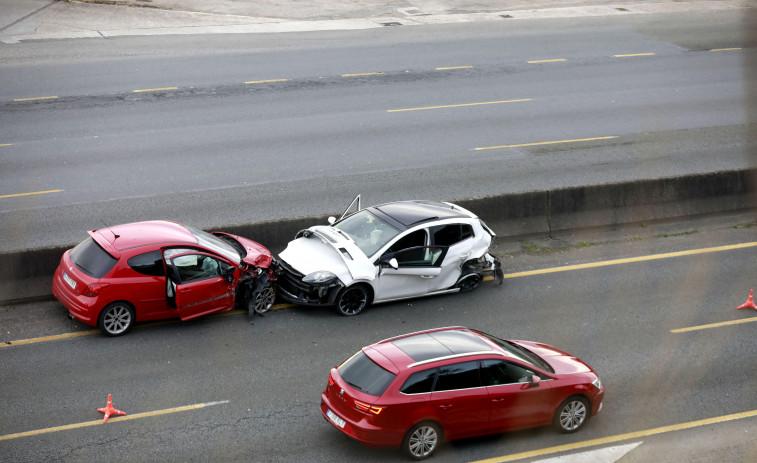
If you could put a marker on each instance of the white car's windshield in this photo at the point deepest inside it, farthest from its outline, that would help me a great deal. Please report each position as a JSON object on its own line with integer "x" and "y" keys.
{"x": 367, "y": 231}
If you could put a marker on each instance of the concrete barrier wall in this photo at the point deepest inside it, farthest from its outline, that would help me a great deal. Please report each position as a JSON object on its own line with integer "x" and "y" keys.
{"x": 28, "y": 274}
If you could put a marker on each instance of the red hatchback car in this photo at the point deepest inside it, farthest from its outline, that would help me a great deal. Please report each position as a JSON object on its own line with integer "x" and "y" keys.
{"x": 156, "y": 270}
{"x": 419, "y": 389}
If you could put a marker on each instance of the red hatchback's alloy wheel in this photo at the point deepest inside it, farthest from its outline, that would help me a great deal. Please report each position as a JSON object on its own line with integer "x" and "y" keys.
{"x": 116, "y": 319}
{"x": 261, "y": 301}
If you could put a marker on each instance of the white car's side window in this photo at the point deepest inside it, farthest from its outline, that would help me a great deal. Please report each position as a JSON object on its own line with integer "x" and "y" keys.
{"x": 414, "y": 239}
{"x": 448, "y": 235}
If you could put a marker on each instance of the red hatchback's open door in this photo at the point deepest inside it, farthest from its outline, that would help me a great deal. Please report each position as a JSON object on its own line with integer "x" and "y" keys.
{"x": 198, "y": 283}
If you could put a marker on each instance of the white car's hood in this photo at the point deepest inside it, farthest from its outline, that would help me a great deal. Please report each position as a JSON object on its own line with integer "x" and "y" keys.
{"x": 324, "y": 249}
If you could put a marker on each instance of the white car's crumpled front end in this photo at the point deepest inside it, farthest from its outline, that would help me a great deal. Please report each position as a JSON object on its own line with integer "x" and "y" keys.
{"x": 316, "y": 252}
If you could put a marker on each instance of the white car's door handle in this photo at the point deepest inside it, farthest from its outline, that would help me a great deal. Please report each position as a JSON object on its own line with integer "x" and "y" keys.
{"x": 427, "y": 276}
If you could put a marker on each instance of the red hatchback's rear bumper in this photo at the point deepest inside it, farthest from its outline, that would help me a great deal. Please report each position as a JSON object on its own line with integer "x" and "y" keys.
{"x": 80, "y": 307}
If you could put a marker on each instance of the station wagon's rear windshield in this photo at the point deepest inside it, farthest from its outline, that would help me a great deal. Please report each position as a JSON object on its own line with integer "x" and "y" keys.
{"x": 360, "y": 372}
{"x": 91, "y": 259}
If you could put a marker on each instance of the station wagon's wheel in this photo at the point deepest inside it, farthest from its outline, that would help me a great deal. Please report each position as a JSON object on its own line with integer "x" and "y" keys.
{"x": 469, "y": 282}
{"x": 261, "y": 301}
{"x": 571, "y": 415}
{"x": 116, "y": 319}
{"x": 422, "y": 440}
{"x": 352, "y": 300}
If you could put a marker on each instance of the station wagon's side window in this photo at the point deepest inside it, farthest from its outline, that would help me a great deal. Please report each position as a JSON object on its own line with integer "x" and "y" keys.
{"x": 496, "y": 372}
{"x": 420, "y": 382}
{"x": 447, "y": 235}
{"x": 458, "y": 376}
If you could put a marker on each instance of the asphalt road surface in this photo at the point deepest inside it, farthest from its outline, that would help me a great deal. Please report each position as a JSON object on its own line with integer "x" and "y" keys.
{"x": 663, "y": 332}
{"x": 217, "y": 130}
{"x": 228, "y": 129}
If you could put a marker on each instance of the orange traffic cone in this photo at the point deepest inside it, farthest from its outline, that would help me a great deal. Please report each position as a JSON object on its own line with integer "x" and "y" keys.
{"x": 109, "y": 410}
{"x": 749, "y": 304}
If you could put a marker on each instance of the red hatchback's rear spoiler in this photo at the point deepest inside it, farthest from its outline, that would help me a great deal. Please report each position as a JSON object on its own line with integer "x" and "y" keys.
{"x": 105, "y": 243}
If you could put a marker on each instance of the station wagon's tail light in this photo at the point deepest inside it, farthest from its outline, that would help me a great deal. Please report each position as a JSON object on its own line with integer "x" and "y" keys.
{"x": 363, "y": 407}
{"x": 94, "y": 289}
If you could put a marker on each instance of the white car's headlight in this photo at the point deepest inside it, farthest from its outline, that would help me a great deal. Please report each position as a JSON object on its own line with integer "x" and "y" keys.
{"x": 597, "y": 383}
{"x": 319, "y": 278}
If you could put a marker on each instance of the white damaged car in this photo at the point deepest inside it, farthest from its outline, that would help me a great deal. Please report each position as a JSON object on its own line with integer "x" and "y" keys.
{"x": 385, "y": 253}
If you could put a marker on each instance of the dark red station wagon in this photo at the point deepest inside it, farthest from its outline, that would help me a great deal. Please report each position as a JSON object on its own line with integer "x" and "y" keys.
{"x": 419, "y": 389}
{"x": 155, "y": 270}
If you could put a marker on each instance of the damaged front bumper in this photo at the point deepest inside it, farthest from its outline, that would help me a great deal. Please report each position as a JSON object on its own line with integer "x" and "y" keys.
{"x": 291, "y": 287}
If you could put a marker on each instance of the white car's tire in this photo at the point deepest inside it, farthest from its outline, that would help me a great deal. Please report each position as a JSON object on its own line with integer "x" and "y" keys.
{"x": 469, "y": 281}
{"x": 352, "y": 300}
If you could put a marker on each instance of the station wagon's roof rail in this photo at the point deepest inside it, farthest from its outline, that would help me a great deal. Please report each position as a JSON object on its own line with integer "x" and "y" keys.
{"x": 415, "y": 333}
{"x": 447, "y": 357}
{"x": 442, "y": 343}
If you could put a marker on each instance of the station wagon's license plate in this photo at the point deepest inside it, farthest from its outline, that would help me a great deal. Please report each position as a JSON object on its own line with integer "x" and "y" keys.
{"x": 335, "y": 419}
{"x": 69, "y": 280}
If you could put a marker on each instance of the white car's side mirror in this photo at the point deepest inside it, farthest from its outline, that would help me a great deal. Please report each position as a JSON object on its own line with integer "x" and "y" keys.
{"x": 332, "y": 219}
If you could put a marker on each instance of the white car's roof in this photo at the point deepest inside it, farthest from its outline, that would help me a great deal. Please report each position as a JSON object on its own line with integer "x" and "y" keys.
{"x": 407, "y": 214}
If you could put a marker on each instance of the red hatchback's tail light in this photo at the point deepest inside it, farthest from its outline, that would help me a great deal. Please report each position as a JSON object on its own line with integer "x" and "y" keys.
{"x": 94, "y": 289}
{"x": 363, "y": 407}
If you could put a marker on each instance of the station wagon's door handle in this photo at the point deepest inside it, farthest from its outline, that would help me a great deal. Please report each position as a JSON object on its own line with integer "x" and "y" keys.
{"x": 445, "y": 407}
{"x": 498, "y": 400}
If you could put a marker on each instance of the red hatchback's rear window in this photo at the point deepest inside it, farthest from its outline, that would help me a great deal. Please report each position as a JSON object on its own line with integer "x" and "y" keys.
{"x": 91, "y": 259}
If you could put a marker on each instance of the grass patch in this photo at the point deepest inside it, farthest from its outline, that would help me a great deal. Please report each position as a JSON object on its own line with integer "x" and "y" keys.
{"x": 690, "y": 232}
{"x": 534, "y": 249}
{"x": 745, "y": 225}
